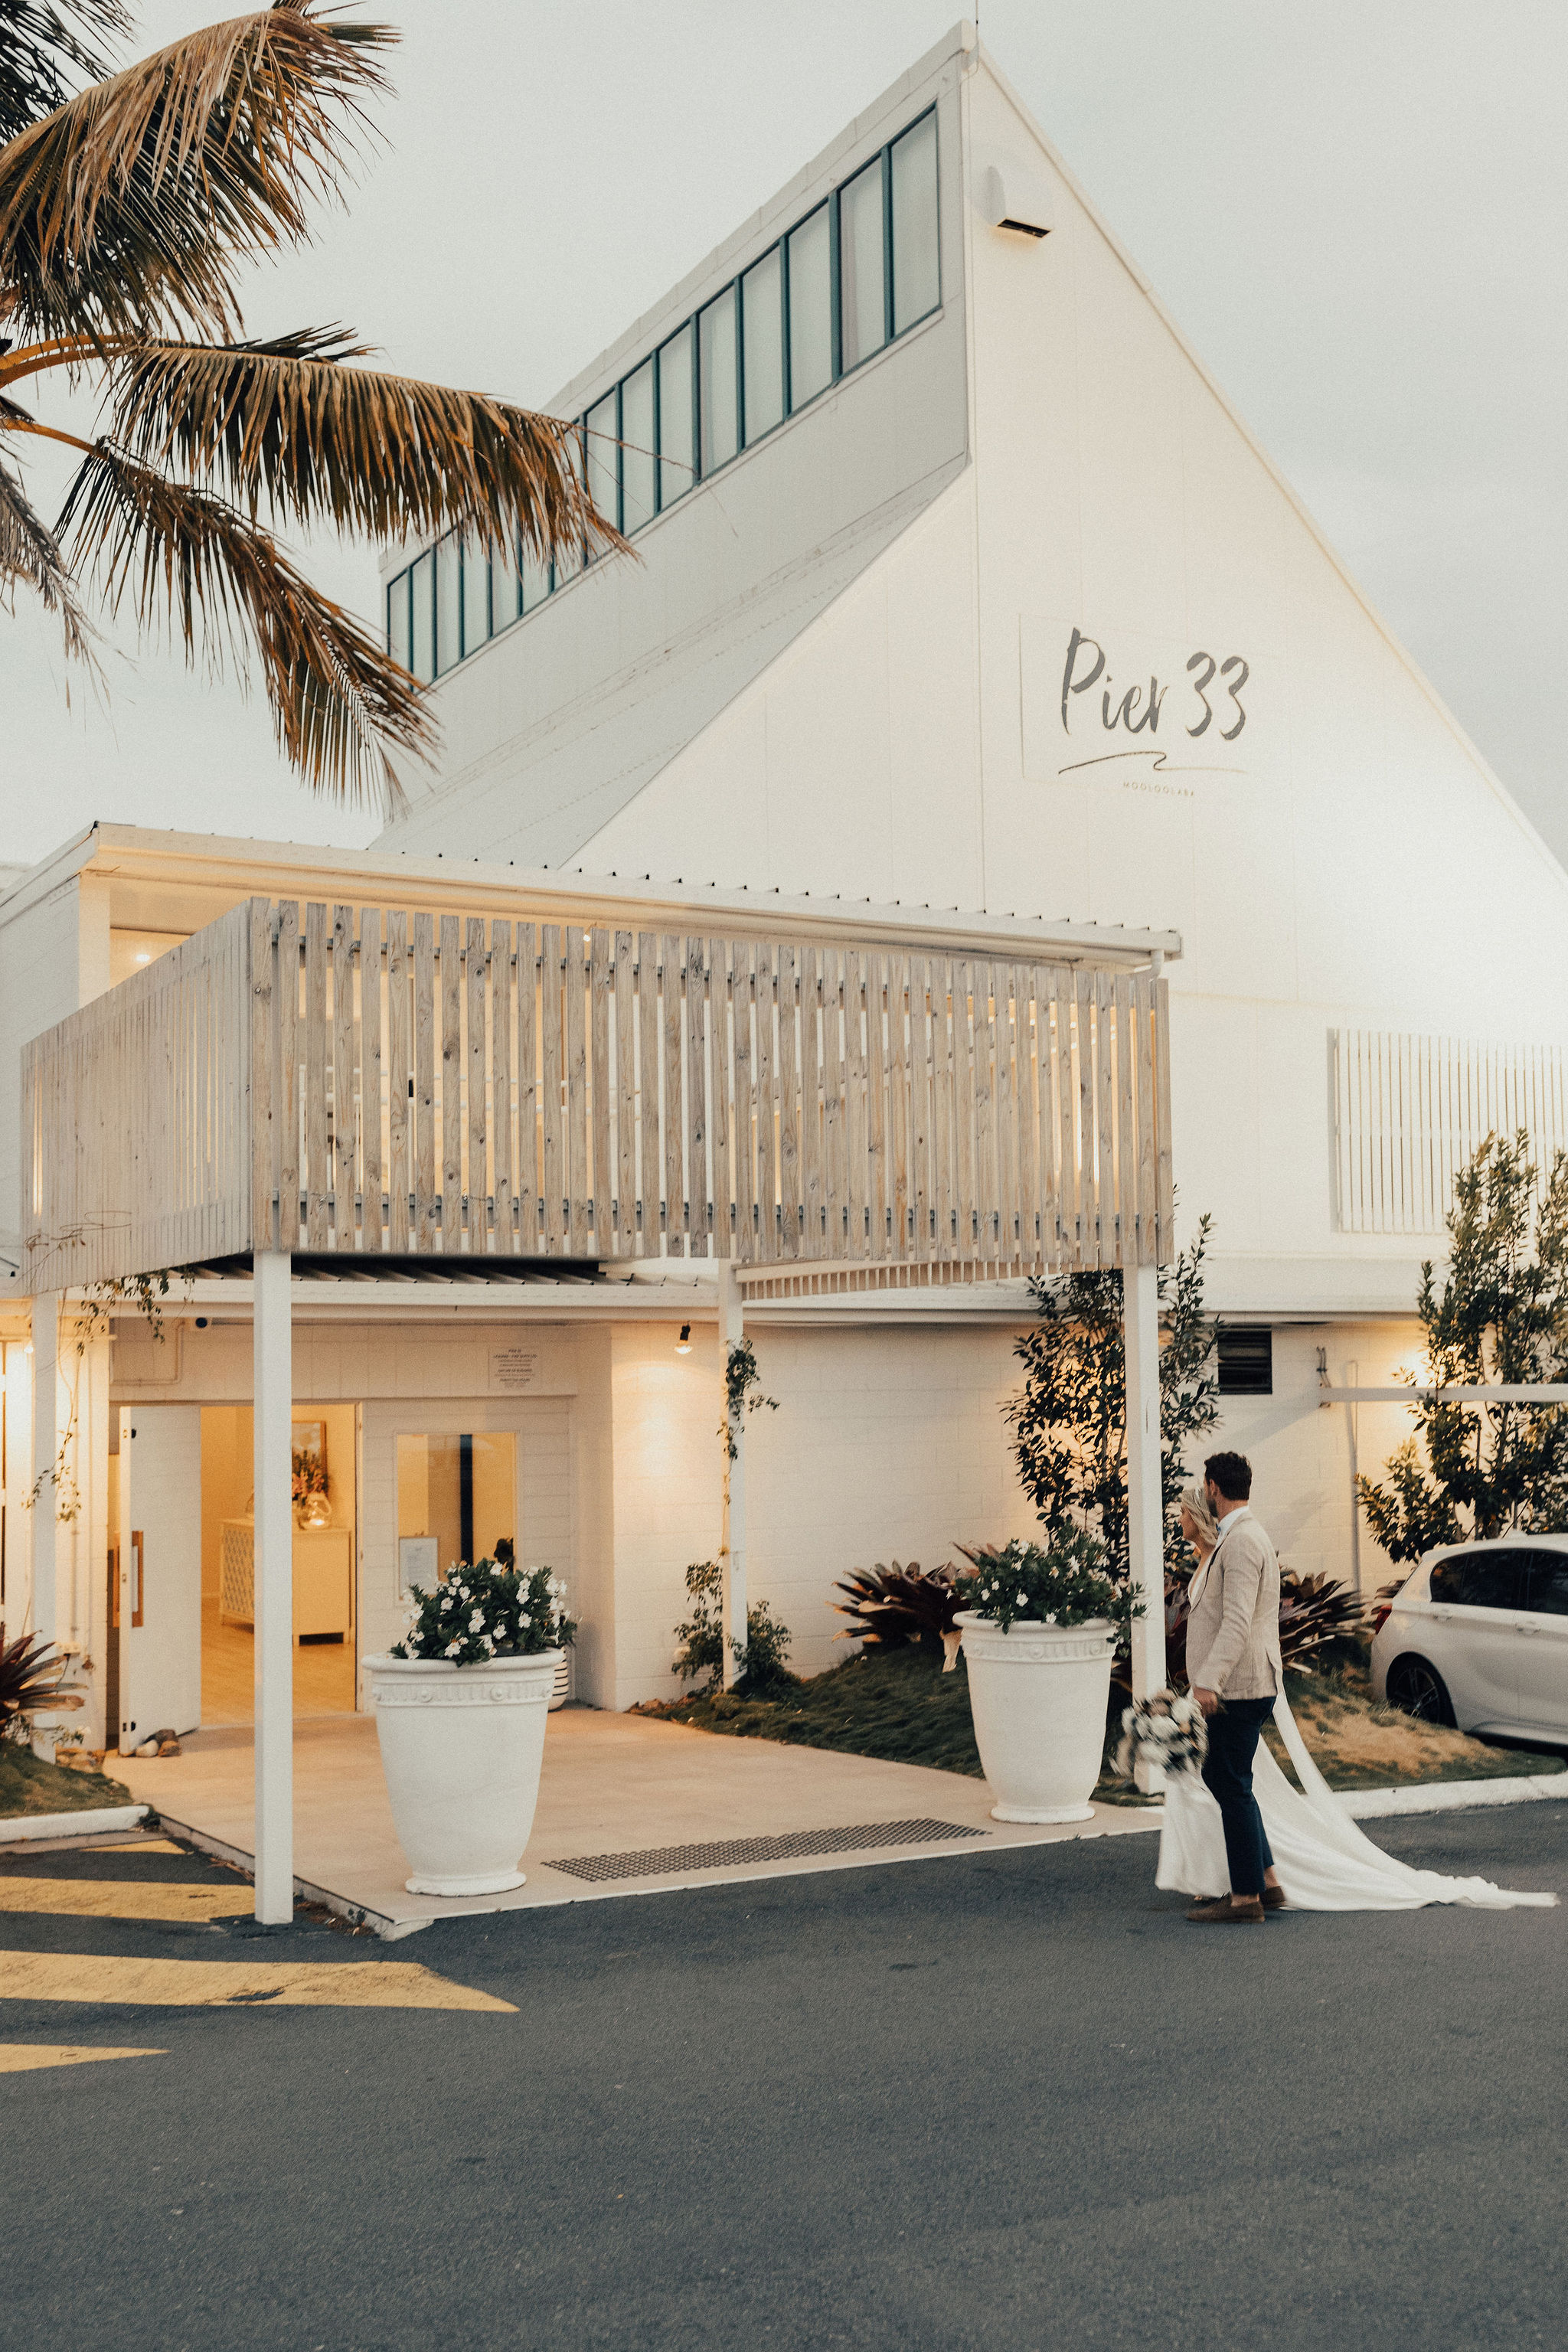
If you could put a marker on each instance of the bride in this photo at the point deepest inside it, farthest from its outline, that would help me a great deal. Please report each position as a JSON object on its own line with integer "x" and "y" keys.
{"x": 1321, "y": 1859}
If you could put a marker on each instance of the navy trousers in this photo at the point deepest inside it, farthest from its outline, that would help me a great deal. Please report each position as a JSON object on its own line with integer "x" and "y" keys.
{"x": 1228, "y": 1775}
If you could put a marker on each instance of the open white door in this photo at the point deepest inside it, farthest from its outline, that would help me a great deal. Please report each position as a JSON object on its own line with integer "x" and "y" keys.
{"x": 160, "y": 1571}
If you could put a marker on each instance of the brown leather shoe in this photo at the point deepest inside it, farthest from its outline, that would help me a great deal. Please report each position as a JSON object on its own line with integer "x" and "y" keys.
{"x": 1274, "y": 1898}
{"x": 1228, "y": 1911}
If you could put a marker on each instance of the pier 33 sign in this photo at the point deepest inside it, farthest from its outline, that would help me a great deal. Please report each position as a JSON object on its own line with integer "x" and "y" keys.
{"x": 1133, "y": 712}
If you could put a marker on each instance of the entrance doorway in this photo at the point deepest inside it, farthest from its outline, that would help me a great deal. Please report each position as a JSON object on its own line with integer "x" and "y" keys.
{"x": 326, "y": 1552}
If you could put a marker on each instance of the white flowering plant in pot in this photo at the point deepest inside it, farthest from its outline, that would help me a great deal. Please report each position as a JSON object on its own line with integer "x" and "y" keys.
{"x": 484, "y": 1609}
{"x": 460, "y": 1708}
{"x": 1066, "y": 1583}
{"x": 1039, "y": 1625}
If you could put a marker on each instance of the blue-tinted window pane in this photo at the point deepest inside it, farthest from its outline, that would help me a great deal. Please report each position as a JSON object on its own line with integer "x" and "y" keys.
{"x": 397, "y": 619}
{"x": 569, "y": 559}
{"x": 761, "y": 333}
{"x": 716, "y": 350}
{"x": 860, "y": 266}
{"x": 476, "y": 595}
{"x": 448, "y": 565}
{"x": 535, "y": 581}
{"x": 604, "y": 460}
{"x": 423, "y": 586}
{"x": 504, "y": 601}
{"x": 676, "y": 419}
{"x": 637, "y": 460}
{"x": 917, "y": 278}
{"x": 810, "y": 309}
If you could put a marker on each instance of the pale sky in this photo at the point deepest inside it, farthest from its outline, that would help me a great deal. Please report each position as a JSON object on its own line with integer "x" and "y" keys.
{"x": 1357, "y": 213}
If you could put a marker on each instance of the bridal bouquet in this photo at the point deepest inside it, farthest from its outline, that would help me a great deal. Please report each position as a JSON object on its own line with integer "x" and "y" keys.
{"x": 1168, "y": 1729}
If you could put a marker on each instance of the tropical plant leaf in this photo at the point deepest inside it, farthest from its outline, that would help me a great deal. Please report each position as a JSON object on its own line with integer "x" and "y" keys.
{"x": 190, "y": 560}
{"x": 288, "y": 425}
{"x": 38, "y": 49}
{"x": 30, "y": 552}
{"x": 30, "y": 1675}
{"x": 136, "y": 203}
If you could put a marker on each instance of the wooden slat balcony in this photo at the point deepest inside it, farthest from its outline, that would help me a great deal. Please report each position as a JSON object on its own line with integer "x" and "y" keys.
{"x": 384, "y": 1081}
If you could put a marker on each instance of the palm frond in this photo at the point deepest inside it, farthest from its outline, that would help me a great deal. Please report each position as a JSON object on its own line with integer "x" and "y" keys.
{"x": 191, "y": 562}
{"x": 286, "y": 423}
{"x": 41, "y": 46}
{"x": 30, "y": 552}
{"x": 135, "y": 203}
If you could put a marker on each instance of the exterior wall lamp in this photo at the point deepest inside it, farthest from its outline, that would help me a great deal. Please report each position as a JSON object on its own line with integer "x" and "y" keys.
{"x": 683, "y": 1345}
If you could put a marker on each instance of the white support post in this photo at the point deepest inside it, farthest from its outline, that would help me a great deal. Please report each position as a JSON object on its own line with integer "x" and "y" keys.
{"x": 1145, "y": 1515}
{"x": 45, "y": 1512}
{"x": 274, "y": 1575}
{"x": 46, "y": 1449}
{"x": 732, "y": 1532}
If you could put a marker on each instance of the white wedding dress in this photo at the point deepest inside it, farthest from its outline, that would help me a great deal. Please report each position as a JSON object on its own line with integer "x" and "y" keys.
{"x": 1324, "y": 1860}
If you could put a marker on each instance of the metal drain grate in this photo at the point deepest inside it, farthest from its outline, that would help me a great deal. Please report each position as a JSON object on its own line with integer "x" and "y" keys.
{"x": 789, "y": 1846}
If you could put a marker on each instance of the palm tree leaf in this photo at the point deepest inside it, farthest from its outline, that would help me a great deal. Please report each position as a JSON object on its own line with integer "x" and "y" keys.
{"x": 288, "y": 423}
{"x": 29, "y": 551}
{"x": 38, "y": 48}
{"x": 190, "y": 560}
{"x": 136, "y": 204}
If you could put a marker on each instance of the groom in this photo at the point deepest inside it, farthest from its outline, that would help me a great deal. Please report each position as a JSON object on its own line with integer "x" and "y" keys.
{"x": 1234, "y": 1669}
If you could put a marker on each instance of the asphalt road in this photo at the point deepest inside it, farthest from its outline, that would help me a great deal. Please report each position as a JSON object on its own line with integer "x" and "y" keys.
{"x": 1010, "y": 2100}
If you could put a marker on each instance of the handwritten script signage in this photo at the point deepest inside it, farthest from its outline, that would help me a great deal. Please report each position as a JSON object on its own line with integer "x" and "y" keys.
{"x": 1132, "y": 707}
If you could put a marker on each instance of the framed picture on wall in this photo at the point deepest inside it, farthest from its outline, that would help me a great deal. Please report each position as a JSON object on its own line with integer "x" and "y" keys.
{"x": 308, "y": 1446}
{"x": 310, "y": 1441}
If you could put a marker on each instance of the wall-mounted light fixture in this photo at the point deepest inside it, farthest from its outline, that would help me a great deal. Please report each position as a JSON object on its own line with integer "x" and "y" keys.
{"x": 683, "y": 1345}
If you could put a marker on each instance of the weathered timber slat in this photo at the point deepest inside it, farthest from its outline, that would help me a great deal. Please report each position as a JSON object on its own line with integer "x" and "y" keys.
{"x": 388, "y": 1080}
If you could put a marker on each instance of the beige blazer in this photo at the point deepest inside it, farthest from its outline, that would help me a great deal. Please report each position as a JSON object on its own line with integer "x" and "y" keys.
{"x": 1233, "y": 1635}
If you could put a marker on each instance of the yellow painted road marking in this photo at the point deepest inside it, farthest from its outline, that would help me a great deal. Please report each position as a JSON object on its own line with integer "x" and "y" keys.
{"x": 109, "y": 1898}
{"x": 219, "y": 1984}
{"x": 139, "y": 1845}
{"x": 21, "y": 2057}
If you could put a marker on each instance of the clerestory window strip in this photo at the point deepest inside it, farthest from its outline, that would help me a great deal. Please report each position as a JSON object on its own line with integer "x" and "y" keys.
{"x": 840, "y": 285}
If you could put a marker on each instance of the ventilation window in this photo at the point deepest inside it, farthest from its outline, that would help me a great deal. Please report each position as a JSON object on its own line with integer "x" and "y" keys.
{"x": 1247, "y": 1363}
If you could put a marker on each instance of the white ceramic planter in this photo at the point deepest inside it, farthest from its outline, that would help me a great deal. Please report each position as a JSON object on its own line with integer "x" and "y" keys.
{"x": 1038, "y": 1693}
{"x": 461, "y": 1748}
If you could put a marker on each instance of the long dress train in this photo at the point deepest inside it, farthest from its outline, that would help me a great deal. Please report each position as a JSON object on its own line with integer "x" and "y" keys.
{"x": 1324, "y": 1860}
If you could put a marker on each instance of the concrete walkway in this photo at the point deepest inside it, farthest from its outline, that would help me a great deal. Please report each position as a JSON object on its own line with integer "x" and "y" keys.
{"x": 657, "y": 1797}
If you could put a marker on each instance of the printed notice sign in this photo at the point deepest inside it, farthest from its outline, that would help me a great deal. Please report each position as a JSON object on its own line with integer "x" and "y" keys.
{"x": 513, "y": 1368}
{"x": 417, "y": 1564}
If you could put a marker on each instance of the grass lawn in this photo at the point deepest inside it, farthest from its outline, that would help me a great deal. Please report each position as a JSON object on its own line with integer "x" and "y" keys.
{"x": 1360, "y": 1743}
{"x": 29, "y": 1786}
{"x": 899, "y": 1706}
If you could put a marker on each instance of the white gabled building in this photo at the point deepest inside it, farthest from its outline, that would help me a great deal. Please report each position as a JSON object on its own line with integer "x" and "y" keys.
{"x": 1010, "y": 611}
{"x": 977, "y": 681}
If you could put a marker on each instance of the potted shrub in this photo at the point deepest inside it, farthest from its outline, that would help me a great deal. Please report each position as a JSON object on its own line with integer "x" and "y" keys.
{"x": 461, "y": 1704}
{"x": 1040, "y": 1630}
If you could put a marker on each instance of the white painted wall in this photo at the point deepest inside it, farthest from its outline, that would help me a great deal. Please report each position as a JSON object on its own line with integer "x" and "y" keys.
{"x": 554, "y": 727}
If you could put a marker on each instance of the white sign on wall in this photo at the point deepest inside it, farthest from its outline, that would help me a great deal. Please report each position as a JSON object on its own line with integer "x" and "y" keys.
{"x": 514, "y": 1368}
{"x": 1138, "y": 713}
{"x": 417, "y": 1564}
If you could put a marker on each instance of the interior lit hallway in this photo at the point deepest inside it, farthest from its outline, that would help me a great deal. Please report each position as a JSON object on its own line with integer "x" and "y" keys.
{"x": 323, "y": 1673}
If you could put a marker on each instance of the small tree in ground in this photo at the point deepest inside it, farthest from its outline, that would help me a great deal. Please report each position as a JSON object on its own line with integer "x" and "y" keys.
{"x": 761, "y": 1663}
{"x": 1501, "y": 1317}
{"x": 1069, "y": 1418}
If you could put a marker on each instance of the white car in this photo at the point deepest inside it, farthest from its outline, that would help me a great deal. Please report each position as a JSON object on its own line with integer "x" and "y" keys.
{"x": 1479, "y": 1638}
